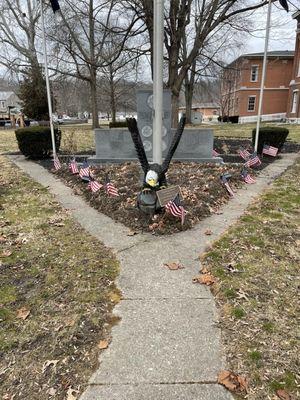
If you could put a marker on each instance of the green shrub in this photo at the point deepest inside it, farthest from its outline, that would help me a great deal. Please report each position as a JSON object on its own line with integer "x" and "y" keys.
{"x": 35, "y": 142}
{"x": 118, "y": 124}
{"x": 270, "y": 135}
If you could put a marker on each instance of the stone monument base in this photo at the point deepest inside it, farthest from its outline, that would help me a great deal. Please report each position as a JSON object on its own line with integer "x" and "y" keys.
{"x": 115, "y": 146}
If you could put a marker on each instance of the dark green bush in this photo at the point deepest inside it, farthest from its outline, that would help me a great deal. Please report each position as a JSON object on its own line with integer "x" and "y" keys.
{"x": 35, "y": 142}
{"x": 118, "y": 124}
{"x": 270, "y": 135}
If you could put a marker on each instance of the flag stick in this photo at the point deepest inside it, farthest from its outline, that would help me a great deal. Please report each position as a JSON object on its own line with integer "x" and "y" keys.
{"x": 47, "y": 81}
{"x": 263, "y": 76}
{"x": 158, "y": 79}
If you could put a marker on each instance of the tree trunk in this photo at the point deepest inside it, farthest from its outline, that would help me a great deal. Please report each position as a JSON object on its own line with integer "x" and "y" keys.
{"x": 175, "y": 105}
{"x": 112, "y": 93}
{"x": 188, "y": 103}
{"x": 189, "y": 92}
{"x": 94, "y": 100}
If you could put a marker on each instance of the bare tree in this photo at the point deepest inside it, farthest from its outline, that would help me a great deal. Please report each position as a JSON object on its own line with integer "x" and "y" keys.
{"x": 206, "y": 16}
{"x": 18, "y": 34}
{"x": 84, "y": 33}
{"x": 210, "y": 60}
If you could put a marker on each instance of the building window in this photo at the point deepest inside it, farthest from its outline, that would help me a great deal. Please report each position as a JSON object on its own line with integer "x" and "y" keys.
{"x": 2, "y": 104}
{"x": 254, "y": 73}
{"x": 251, "y": 103}
{"x": 294, "y": 102}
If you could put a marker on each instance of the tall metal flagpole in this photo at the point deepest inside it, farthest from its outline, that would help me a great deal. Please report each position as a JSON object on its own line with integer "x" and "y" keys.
{"x": 47, "y": 81}
{"x": 263, "y": 76}
{"x": 158, "y": 22}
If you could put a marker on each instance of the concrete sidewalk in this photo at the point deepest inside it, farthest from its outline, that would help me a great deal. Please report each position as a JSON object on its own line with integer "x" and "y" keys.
{"x": 167, "y": 344}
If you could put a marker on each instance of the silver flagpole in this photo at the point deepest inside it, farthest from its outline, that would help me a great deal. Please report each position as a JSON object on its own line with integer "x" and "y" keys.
{"x": 158, "y": 22}
{"x": 263, "y": 76}
{"x": 47, "y": 81}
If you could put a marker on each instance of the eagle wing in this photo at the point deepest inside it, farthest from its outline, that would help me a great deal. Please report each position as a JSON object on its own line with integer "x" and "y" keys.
{"x": 174, "y": 144}
{"x": 138, "y": 144}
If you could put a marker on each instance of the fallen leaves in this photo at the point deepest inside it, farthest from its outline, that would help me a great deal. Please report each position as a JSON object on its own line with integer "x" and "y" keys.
{"x": 283, "y": 395}
{"x": 132, "y": 233}
{"x": 103, "y": 344}
{"x": 233, "y": 382}
{"x": 6, "y": 253}
{"x": 208, "y": 232}
{"x": 49, "y": 363}
{"x": 70, "y": 394}
{"x": 173, "y": 266}
{"x": 23, "y": 313}
{"x": 205, "y": 279}
{"x": 2, "y": 239}
{"x": 56, "y": 221}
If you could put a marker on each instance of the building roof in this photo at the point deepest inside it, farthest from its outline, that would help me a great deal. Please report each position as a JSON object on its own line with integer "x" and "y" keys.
{"x": 5, "y": 95}
{"x": 278, "y": 53}
{"x": 271, "y": 54}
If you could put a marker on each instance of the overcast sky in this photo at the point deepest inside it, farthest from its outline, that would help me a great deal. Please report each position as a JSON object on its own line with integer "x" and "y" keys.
{"x": 282, "y": 35}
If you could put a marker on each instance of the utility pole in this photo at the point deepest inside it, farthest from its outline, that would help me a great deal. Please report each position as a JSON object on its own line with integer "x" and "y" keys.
{"x": 263, "y": 76}
{"x": 158, "y": 43}
{"x": 47, "y": 81}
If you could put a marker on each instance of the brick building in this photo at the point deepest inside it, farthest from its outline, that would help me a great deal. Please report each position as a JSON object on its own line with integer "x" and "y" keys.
{"x": 293, "y": 106}
{"x": 203, "y": 112}
{"x": 241, "y": 86}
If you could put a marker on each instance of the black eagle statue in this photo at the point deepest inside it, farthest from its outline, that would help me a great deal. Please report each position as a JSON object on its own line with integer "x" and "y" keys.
{"x": 154, "y": 174}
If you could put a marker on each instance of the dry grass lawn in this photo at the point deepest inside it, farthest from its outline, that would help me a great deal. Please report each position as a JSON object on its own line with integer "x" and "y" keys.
{"x": 259, "y": 301}
{"x": 56, "y": 294}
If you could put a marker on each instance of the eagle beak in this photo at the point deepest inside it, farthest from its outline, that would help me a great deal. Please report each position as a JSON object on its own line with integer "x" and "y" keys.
{"x": 152, "y": 182}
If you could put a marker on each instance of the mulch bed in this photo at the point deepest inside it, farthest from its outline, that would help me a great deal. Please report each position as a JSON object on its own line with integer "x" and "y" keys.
{"x": 200, "y": 184}
{"x": 202, "y": 191}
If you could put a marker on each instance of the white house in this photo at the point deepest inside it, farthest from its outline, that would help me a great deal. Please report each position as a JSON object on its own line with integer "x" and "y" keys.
{"x": 8, "y": 99}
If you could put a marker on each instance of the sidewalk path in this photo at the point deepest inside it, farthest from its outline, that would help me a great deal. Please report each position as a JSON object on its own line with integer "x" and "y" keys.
{"x": 167, "y": 344}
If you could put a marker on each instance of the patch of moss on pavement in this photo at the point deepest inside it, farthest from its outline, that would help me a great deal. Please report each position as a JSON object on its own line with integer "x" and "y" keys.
{"x": 59, "y": 275}
{"x": 259, "y": 300}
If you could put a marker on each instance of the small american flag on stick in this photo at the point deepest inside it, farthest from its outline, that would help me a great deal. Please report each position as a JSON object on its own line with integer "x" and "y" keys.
{"x": 84, "y": 171}
{"x": 175, "y": 208}
{"x": 110, "y": 189}
{"x": 253, "y": 161}
{"x": 73, "y": 166}
{"x": 215, "y": 153}
{"x": 93, "y": 185}
{"x": 224, "y": 180}
{"x": 270, "y": 150}
{"x": 244, "y": 154}
{"x": 247, "y": 177}
{"x": 57, "y": 164}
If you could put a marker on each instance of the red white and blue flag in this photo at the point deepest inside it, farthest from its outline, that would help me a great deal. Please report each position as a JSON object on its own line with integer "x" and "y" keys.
{"x": 253, "y": 161}
{"x": 57, "y": 164}
{"x": 247, "y": 177}
{"x": 215, "y": 153}
{"x": 110, "y": 189}
{"x": 93, "y": 185}
{"x": 73, "y": 166}
{"x": 270, "y": 150}
{"x": 84, "y": 172}
{"x": 224, "y": 179}
{"x": 244, "y": 154}
{"x": 175, "y": 208}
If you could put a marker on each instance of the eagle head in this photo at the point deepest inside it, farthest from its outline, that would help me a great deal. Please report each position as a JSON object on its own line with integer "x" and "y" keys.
{"x": 154, "y": 175}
